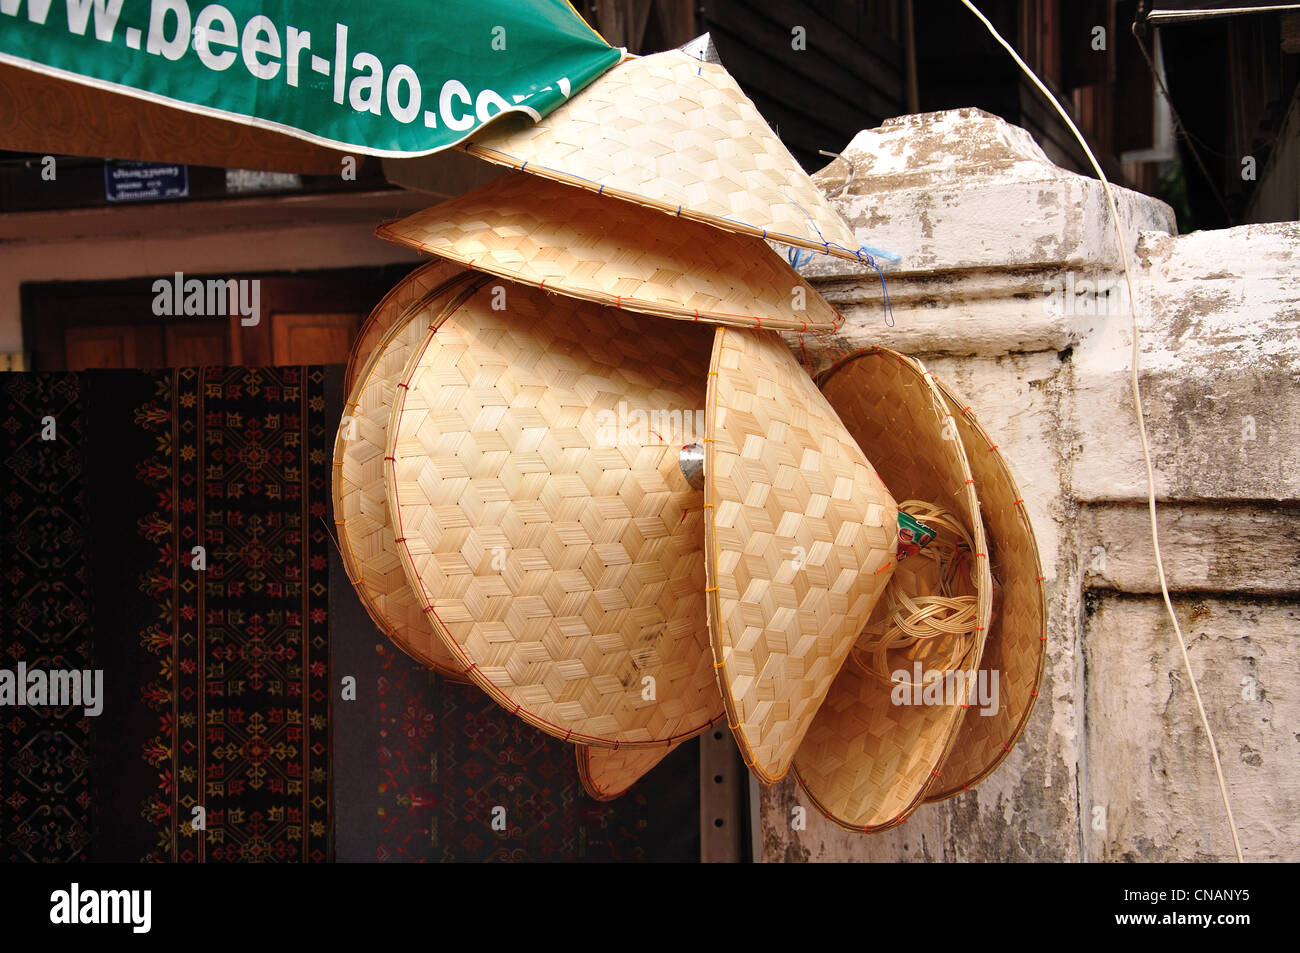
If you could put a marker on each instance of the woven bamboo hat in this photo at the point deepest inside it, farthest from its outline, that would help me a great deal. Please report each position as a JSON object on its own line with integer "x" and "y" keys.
{"x": 1016, "y": 647}
{"x": 675, "y": 134}
{"x": 615, "y": 253}
{"x": 361, "y": 515}
{"x": 800, "y": 543}
{"x": 542, "y": 518}
{"x": 871, "y": 754}
{"x": 607, "y": 773}
{"x": 393, "y": 308}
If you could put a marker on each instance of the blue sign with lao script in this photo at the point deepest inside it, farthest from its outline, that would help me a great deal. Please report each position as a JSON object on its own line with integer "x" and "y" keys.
{"x": 145, "y": 181}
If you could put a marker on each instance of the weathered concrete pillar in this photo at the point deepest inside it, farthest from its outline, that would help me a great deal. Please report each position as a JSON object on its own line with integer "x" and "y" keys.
{"x": 1010, "y": 288}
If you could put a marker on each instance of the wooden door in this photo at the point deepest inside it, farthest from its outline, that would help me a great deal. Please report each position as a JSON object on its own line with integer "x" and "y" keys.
{"x": 302, "y": 319}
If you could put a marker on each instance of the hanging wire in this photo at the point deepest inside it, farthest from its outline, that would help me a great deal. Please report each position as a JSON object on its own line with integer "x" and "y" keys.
{"x": 1184, "y": 16}
{"x": 1137, "y": 406}
{"x": 884, "y": 291}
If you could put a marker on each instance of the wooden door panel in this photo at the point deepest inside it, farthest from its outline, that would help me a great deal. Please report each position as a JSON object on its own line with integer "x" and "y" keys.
{"x": 112, "y": 346}
{"x": 312, "y": 338}
{"x": 197, "y": 345}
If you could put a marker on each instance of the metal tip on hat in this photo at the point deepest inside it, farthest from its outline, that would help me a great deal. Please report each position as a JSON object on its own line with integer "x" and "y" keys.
{"x": 691, "y": 461}
{"x": 701, "y": 48}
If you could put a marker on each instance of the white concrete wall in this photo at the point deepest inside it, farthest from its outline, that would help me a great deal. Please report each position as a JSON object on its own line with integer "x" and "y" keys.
{"x": 986, "y": 226}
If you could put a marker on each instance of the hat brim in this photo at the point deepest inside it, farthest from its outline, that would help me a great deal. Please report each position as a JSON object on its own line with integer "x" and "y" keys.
{"x": 677, "y": 135}
{"x": 562, "y": 558}
{"x": 800, "y": 541}
{"x": 361, "y": 514}
{"x": 615, "y": 253}
{"x": 608, "y": 773}
{"x": 867, "y": 762}
{"x": 390, "y": 310}
{"x": 1016, "y": 647}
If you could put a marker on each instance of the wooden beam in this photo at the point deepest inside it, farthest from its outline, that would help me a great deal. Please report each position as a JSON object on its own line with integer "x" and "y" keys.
{"x": 623, "y": 22}
{"x": 1291, "y": 33}
{"x": 909, "y": 50}
{"x": 676, "y": 20}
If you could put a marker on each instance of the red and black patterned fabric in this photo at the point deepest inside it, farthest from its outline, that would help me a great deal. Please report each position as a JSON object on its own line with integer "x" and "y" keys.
{"x": 45, "y": 791}
{"x": 226, "y": 467}
{"x": 213, "y": 742}
{"x": 452, "y": 762}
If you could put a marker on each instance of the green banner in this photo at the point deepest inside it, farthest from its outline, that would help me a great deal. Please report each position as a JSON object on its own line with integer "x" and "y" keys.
{"x": 384, "y": 77}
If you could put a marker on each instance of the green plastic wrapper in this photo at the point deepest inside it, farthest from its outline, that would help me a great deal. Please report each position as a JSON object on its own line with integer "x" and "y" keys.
{"x": 913, "y": 535}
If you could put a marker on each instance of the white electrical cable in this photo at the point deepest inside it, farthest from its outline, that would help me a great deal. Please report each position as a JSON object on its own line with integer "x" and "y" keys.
{"x": 1183, "y": 16}
{"x": 1137, "y": 406}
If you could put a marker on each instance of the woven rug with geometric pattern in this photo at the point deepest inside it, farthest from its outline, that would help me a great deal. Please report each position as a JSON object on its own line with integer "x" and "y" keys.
{"x": 215, "y": 680}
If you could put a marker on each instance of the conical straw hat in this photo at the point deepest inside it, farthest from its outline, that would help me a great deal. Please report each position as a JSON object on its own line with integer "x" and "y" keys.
{"x": 867, "y": 762}
{"x": 405, "y": 293}
{"x": 800, "y": 543}
{"x": 675, "y": 134}
{"x": 1016, "y": 646}
{"x": 361, "y": 515}
{"x": 607, "y": 773}
{"x": 615, "y": 253}
{"x": 546, "y": 526}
